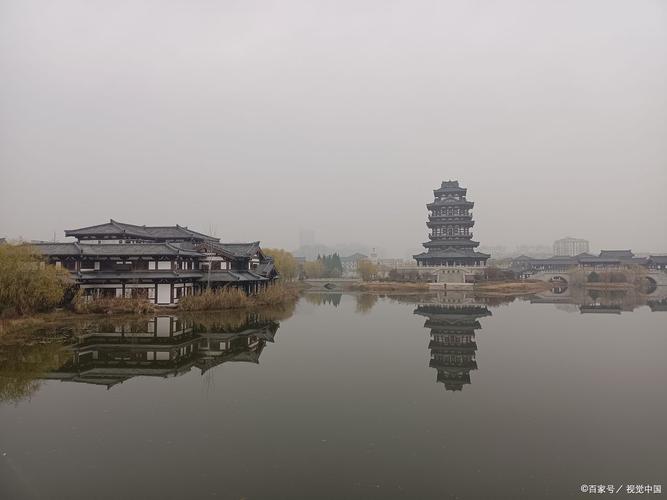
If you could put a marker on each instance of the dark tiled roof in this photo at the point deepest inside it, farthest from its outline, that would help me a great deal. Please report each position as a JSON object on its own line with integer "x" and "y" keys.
{"x": 57, "y": 249}
{"x": 598, "y": 260}
{"x": 449, "y": 187}
{"x": 617, "y": 254}
{"x": 240, "y": 249}
{"x": 124, "y": 230}
{"x": 231, "y": 276}
{"x": 450, "y": 201}
{"x": 443, "y": 243}
{"x": 119, "y": 249}
{"x": 452, "y": 253}
{"x": 231, "y": 250}
{"x": 658, "y": 259}
{"x": 266, "y": 268}
{"x": 138, "y": 275}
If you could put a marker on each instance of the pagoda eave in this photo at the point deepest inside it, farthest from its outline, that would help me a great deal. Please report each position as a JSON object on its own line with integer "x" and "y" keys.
{"x": 450, "y": 203}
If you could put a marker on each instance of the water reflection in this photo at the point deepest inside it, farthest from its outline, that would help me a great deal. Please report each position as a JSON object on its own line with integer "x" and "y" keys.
{"x": 603, "y": 301}
{"x": 324, "y": 298}
{"x": 162, "y": 346}
{"x": 110, "y": 351}
{"x": 453, "y": 347}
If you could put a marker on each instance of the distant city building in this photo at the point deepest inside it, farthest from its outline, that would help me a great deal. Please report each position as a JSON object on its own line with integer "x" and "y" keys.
{"x": 450, "y": 221}
{"x": 306, "y": 237}
{"x": 570, "y": 246}
{"x": 351, "y": 262}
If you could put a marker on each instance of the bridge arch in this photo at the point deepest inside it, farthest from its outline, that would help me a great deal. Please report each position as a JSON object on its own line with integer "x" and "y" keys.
{"x": 558, "y": 280}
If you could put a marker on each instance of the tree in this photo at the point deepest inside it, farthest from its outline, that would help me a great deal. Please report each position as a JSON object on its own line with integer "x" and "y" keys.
{"x": 27, "y": 283}
{"x": 285, "y": 263}
{"x": 314, "y": 269}
{"x": 367, "y": 270}
{"x": 333, "y": 267}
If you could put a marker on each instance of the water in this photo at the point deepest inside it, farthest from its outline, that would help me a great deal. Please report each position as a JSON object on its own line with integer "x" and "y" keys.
{"x": 348, "y": 396}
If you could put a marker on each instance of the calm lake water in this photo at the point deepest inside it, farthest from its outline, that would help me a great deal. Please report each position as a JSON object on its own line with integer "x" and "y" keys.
{"x": 346, "y": 396}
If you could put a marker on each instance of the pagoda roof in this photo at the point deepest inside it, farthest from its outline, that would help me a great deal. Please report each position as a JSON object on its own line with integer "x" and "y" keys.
{"x": 450, "y": 202}
{"x": 442, "y": 348}
{"x": 463, "y": 365}
{"x": 113, "y": 229}
{"x": 453, "y": 253}
{"x": 463, "y": 311}
{"x": 444, "y": 242}
{"x": 449, "y": 187}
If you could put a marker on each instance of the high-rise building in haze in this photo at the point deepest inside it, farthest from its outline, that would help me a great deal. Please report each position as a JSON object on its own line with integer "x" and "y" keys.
{"x": 570, "y": 246}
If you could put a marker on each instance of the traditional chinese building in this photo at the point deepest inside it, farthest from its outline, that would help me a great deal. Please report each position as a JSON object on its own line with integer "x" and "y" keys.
{"x": 160, "y": 263}
{"x": 450, "y": 221}
{"x": 452, "y": 344}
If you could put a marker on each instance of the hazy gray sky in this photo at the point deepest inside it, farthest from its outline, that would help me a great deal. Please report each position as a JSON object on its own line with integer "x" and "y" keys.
{"x": 264, "y": 118}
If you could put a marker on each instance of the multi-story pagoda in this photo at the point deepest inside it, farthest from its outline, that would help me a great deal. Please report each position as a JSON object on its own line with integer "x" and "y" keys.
{"x": 453, "y": 347}
{"x": 450, "y": 221}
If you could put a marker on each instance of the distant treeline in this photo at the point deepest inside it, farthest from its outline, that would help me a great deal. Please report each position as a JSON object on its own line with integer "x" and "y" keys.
{"x": 325, "y": 266}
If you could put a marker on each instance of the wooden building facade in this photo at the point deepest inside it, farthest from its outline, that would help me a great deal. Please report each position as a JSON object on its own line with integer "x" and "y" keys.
{"x": 159, "y": 263}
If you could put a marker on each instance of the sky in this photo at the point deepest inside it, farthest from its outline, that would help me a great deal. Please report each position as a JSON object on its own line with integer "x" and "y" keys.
{"x": 257, "y": 120}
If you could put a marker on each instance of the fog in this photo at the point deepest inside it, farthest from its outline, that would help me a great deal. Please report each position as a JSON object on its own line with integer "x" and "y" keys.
{"x": 256, "y": 120}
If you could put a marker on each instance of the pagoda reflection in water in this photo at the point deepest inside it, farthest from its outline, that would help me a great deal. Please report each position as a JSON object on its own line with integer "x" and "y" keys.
{"x": 453, "y": 347}
{"x": 109, "y": 353}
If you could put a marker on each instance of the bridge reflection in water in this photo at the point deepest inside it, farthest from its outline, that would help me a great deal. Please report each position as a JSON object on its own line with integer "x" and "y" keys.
{"x": 600, "y": 300}
{"x": 111, "y": 352}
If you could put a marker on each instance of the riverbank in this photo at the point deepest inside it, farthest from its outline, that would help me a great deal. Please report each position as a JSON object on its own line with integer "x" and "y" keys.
{"x": 387, "y": 286}
{"x": 511, "y": 287}
{"x": 277, "y": 298}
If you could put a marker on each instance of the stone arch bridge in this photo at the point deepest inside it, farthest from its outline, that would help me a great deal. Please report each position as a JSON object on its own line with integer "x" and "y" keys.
{"x": 657, "y": 276}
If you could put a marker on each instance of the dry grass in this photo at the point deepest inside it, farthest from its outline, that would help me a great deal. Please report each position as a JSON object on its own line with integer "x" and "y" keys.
{"x": 114, "y": 305}
{"x": 233, "y": 298}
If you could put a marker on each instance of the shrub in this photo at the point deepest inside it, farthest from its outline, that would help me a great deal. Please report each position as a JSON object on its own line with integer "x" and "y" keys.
{"x": 27, "y": 284}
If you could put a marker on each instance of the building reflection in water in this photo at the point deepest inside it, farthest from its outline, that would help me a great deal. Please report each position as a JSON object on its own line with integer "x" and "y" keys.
{"x": 453, "y": 347}
{"x": 108, "y": 353}
{"x": 587, "y": 300}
